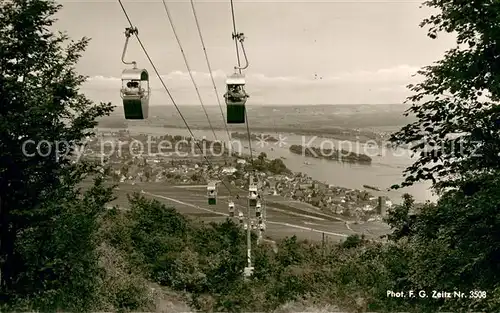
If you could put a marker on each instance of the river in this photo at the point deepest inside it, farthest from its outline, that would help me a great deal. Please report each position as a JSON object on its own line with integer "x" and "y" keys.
{"x": 386, "y": 168}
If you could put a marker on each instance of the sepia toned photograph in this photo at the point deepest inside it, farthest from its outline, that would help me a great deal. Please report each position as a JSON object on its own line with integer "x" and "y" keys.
{"x": 249, "y": 156}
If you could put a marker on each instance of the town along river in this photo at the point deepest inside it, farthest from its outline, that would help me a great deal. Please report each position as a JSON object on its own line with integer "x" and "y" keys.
{"x": 385, "y": 169}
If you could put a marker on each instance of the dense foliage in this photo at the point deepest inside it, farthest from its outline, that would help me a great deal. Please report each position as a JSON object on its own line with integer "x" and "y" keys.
{"x": 455, "y": 243}
{"x": 207, "y": 262}
{"x": 456, "y": 134}
{"x": 263, "y": 164}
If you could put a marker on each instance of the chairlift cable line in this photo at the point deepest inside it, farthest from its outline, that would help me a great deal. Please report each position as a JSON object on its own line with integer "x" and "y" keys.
{"x": 249, "y": 139}
{"x": 172, "y": 25}
{"x": 168, "y": 92}
{"x": 170, "y": 95}
{"x": 169, "y": 16}
{"x": 236, "y": 37}
{"x": 211, "y": 75}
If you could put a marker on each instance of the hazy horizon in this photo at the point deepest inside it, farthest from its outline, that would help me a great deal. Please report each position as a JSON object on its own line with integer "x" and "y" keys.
{"x": 299, "y": 52}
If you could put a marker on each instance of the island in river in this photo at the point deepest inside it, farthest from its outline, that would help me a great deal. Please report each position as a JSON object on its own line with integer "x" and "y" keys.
{"x": 331, "y": 154}
{"x": 254, "y": 137}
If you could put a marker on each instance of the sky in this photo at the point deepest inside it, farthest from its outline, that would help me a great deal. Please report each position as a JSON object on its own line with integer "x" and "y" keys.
{"x": 365, "y": 51}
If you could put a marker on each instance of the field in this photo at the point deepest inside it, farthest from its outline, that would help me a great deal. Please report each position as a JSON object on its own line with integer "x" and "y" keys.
{"x": 283, "y": 219}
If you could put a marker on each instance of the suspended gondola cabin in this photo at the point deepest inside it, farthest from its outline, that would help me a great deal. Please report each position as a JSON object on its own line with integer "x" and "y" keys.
{"x": 135, "y": 93}
{"x": 212, "y": 194}
{"x": 236, "y": 98}
{"x": 253, "y": 195}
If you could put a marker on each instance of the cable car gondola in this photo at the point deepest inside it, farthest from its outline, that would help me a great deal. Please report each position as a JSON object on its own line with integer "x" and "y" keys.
{"x": 135, "y": 89}
{"x": 236, "y": 98}
{"x": 135, "y": 93}
{"x": 212, "y": 194}
{"x": 258, "y": 209}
